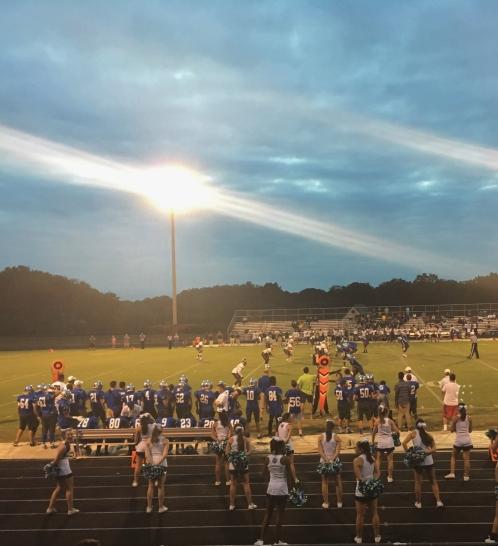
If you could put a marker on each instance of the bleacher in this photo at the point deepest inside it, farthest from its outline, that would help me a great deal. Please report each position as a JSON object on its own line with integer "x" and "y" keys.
{"x": 114, "y": 512}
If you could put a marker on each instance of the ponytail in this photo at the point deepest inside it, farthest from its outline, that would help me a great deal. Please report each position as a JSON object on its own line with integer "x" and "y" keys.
{"x": 144, "y": 424}
{"x": 426, "y": 438}
{"x": 329, "y": 429}
{"x": 239, "y": 431}
{"x": 462, "y": 410}
{"x": 364, "y": 448}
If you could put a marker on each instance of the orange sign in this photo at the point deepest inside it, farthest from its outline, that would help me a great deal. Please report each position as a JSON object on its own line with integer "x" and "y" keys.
{"x": 57, "y": 368}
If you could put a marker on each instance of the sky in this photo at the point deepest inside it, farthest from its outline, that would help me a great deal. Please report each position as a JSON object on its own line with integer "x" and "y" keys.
{"x": 344, "y": 141}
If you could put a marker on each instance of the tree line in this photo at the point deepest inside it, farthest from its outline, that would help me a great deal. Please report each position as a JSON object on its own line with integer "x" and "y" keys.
{"x": 39, "y": 303}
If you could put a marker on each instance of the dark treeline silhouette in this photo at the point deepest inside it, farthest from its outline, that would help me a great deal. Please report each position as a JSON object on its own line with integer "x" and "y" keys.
{"x": 38, "y": 303}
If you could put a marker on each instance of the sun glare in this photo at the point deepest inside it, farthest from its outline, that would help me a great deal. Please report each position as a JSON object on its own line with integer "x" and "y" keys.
{"x": 176, "y": 188}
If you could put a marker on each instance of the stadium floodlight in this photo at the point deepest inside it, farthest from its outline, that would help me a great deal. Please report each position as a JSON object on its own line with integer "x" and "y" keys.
{"x": 174, "y": 189}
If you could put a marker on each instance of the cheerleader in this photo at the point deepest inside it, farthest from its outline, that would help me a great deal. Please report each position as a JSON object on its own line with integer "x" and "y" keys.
{"x": 421, "y": 438}
{"x": 493, "y": 536}
{"x": 277, "y": 492}
{"x": 365, "y": 468}
{"x": 462, "y": 425}
{"x": 142, "y": 434}
{"x": 219, "y": 433}
{"x": 65, "y": 480}
{"x": 238, "y": 443}
{"x": 329, "y": 448}
{"x": 156, "y": 453}
{"x": 284, "y": 433}
{"x": 383, "y": 430}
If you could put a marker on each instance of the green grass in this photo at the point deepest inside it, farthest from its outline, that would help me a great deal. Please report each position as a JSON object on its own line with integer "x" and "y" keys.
{"x": 477, "y": 377}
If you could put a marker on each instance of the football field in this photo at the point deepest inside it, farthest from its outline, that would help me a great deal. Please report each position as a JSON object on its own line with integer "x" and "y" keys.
{"x": 478, "y": 378}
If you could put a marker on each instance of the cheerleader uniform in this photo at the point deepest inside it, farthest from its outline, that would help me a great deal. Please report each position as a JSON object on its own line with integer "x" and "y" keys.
{"x": 385, "y": 442}
{"x": 234, "y": 449}
{"x": 428, "y": 461}
{"x": 283, "y": 434}
{"x": 463, "y": 441}
{"x": 367, "y": 471}
{"x": 140, "y": 447}
{"x": 328, "y": 447}
{"x": 277, "y": 490}
{"x": 157, "y": 453}
{"x": 63, "y": 468}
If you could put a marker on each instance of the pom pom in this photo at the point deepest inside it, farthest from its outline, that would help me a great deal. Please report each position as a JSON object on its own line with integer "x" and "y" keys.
{"x": 152, "y": 471}
{"x": 414, "y": 457}
{"x": 51, "y": 470}
{"x": 239, "y": 460}
{"x": 371, "y": 489}
{"x": 288, "y": 450}
{"x": 329, "y": 469}
{"x": 396, "y": 440}
{"x": 218, "y": 447}
{"x": 297, "y": 496}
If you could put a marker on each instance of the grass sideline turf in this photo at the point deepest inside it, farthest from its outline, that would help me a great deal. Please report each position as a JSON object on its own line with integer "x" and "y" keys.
{"x": 478, "y": 378}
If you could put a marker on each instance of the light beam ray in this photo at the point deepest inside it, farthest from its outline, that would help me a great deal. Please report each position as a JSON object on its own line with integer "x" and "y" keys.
{"x": 78, "y": 167}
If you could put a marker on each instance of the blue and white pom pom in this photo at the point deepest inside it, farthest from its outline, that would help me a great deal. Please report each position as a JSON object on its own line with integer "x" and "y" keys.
{"x": 329, "y": 469}
{"x": 371, "y": 489}
{"x": 414, "y": 457}
{"x": 51, "y": 470}
{"x": 239, "y": 460}
{"x": 152, "y": 471}
{"x": 297, "y": 496}
{"x": 491, "y": 433}
{"x": 218, "y": 447}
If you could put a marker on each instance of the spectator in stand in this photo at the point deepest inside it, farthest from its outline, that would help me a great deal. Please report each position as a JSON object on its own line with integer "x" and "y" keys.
{"x": 450, "y": 400}
{"x": 402, "y": 401}
{"x": 474, "y": 351}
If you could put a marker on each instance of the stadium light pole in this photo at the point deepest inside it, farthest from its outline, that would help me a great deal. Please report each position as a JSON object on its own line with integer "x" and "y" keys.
{"x": 174, "y": 312}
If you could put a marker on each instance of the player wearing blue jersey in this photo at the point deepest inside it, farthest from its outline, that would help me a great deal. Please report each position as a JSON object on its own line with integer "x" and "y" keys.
{"x": 355, "y": 364}
{"x": 80, "y": 398}
{"x": 414, "y": 385}
{"x": 204, "y": 400}
{"x": 273, "y": 399}
{"x": 253, "y": 400}
{"x": 112, "y": 398}
{"x": 96, "y": 397}
{"x": 343, "y": 397}
{"x": 45, "y": 402}
{"x": 383, "y": 395}
{"x": 374, "y": 402}
{"x": 27, "y": 415}
{"x": 183, "y": 400}
{"x": 363, "y": 393}
{"x": 149, "y": 399}
{"x": 405, "y": 345}
{"x": 295, "y": 401}
{"x": 167, "y": 422}
{"x": 118, "y": 422}
{"x": 164, "y": 401}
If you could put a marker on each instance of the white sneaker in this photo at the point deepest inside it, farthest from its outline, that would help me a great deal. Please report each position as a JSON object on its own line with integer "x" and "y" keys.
{"x": 148, "y": 510}
{"x": 325, "y": 505}
{"x": 490, "y": 540}
{"x": 450, "y": 476}
{"x": 228, "y": 482}
{"x": 439, "y": 504}
{"x": 358, "y": 540}
{"x": 389, "y": 479}
{"x": 280, "y": 543}
{"x": 51, "y": 510}
{"x": 217, "y": 484}
{"x": 466, "y": 478}
{"x": 418, "y": 505}
{"x": 252, "y": 506}
{"x": 259, "y": 542}
{"x": 134, "y": 483}
{"x": 163, "y": 509}
{"x": 339, "y": 505}
{"x": 72, "y": 512}
{"x": 231, "y": 507}
{"x": 377, "y": 539}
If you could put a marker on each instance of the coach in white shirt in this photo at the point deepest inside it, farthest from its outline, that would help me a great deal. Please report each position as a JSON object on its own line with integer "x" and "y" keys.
{"x": 221, "y": 402}
{"x": 445, "y": 379}
{"x": 450, "y": 400}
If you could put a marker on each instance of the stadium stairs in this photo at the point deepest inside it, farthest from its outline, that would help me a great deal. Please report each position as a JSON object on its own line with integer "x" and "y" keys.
{"x": 114, "y": 512}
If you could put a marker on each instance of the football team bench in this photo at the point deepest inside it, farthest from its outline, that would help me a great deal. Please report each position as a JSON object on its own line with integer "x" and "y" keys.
{"x": 126, "y": 436}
